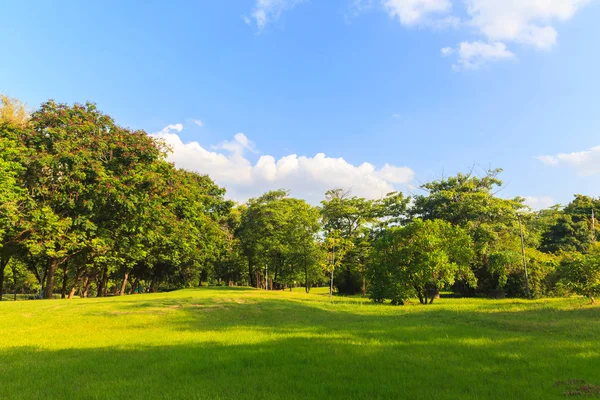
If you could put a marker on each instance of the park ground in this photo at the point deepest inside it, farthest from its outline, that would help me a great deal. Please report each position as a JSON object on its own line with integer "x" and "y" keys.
{"x": 237, "y": 343}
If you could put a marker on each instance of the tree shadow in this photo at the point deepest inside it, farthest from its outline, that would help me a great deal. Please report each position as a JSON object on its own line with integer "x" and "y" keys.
{"x": 246, "y": 347}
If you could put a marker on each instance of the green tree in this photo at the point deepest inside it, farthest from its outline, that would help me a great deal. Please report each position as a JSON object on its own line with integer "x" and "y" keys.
{"x": 88, "y": 178}
{"x": 419, "y": 260}
{"x": 344, "y": 219}
{"x": 278, "y": 234}
{"x": 14, "y": 201}
{"x": 470, "y": 202}
{"x": 581, "y": 273}
{"x": 572, "y": 229}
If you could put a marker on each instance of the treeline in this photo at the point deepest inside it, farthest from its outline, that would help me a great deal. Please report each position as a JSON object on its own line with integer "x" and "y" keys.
{"x": 88, "y": 208}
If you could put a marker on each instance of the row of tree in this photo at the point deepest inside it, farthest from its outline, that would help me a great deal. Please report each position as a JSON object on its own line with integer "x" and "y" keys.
{"x": 90, "y": 208}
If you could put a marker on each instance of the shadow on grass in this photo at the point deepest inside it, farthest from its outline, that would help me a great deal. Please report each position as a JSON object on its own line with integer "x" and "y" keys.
{"x": 261, "y": 348}
{"x": 297, "y": 368}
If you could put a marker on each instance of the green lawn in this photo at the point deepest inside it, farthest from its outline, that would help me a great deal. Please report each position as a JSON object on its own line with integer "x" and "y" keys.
{"x": 247, "y": 344}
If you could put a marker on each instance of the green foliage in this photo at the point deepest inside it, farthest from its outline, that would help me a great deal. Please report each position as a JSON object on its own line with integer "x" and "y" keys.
{"x": 278, "y": 237}
{"x": 420, "y": 259}
{"x": 98, "y": 209}
{"x": 572, "y": 229}
{"x": 470, "y": 202}
{"x": 581, "y": 273}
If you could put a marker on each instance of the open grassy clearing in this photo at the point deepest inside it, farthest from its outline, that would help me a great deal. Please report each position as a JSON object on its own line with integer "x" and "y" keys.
{"x": 247, "y": 344}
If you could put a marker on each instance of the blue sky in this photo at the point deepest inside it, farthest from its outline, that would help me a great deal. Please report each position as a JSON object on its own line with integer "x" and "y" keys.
{"x": 301, "y": 94}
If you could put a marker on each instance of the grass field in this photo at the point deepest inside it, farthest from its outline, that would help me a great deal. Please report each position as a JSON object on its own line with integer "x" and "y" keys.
{"x": 247, "y": 344}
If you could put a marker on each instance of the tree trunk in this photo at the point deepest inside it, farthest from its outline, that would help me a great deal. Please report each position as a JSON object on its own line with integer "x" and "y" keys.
{"x": 434, "y": 294}
{"x": 76, "y": 282}
{"x": 102, "y": 283}
{"x": 154, "y": 285}
{"x": 86, "y": 287}
{"x": 49, "y": 289}
{"x": 419, "y": 295}
{"x": 3, "y": 263}
{"x": 14, "y": 271}
{"x": 124, "y": 285}
{"x": 134, "y": 286}
{"x": 105, "y": 284}
{"x": 63, "y": 291}
{"x": 364, "y": 286}
{"x": 331, "y": 284}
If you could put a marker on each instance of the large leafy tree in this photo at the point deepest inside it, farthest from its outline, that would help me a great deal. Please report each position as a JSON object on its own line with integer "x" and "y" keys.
{"x": 419, "y": 260}
{"x": 470, "y": 201}
{"x": 13, "y": 198}
{"x": 89, "y": 179}
{"x": 278, "y": 237}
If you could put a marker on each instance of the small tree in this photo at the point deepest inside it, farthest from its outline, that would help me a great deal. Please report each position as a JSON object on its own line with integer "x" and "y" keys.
{"x": 420, "y": 259}
{"x": 581, "y": 273}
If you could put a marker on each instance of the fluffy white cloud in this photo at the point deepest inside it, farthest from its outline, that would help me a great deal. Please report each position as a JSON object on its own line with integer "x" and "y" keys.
{"x": 198, "y": 122}
{"x": 171, "y": 128}
{"x": 584, "y": 162}
{"x": 472, "y": 55}
{"x": 306, "y": 177}
{"x": 538, "y": 203}
{"x": 522, "y": 21}
{"x": 266, "y": 11}
{"x": 238, "y": 145}
{"x": 412, "y": 12}
{"x": 526, "y": 22}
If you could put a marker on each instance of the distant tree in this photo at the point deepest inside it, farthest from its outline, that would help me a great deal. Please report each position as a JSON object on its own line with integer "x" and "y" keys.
{"x": 13, "y": 111}
{"x": 277, "y": 234}
{"x": 345, "y": 217}
{"x": 571, "y": 231}
{"x": 581, "y": 273}
{"x": 337, "y": 247}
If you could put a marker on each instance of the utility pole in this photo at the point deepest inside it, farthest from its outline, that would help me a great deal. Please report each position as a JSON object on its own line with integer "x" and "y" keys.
{"x": 266, "y": 277}
{"x": 524, "y": 258}
{"x": 593, "y": 227}
{"x": 332, "y": 267}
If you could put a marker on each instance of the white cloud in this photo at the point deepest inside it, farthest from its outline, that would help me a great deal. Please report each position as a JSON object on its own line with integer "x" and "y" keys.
{"x": 448, "y": 51}
{"x": 171, "y": 128}
{"x": 501, "y": 22}
{"x": 521, "y": 21}
{"x": 306, "y": 177}
{"x": 198, "y": 122}
{"x": 472, "y": 55}
{"x": 266, "y": 11}
{"x": 584, "y": 162}
{"x": 539, "y": 203}
{"x": 412, "y": 12}
{"x": 238, "y": 145}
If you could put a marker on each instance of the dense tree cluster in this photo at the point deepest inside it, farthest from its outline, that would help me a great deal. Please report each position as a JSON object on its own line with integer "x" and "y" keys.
{"x": 90, "y": 208}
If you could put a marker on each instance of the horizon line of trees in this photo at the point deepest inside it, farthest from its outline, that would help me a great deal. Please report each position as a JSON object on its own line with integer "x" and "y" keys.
{"x": 89, "y": 208}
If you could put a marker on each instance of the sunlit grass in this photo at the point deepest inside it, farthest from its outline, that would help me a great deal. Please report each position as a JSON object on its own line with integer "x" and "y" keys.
{"x": 242, "y": 343}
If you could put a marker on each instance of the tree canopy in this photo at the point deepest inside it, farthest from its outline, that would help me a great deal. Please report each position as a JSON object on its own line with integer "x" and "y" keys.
{"x": 88, "y": 207}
